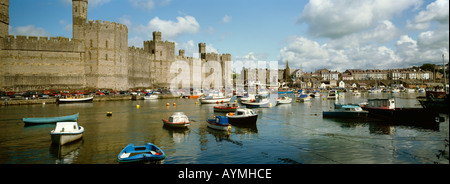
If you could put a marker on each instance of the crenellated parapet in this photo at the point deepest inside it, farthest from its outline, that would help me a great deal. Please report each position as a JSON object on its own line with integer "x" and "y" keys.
{"x": 34, "y": 43}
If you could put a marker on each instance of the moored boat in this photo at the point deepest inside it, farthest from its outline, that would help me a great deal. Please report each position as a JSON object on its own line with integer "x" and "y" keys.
{"x": 75, "y": 99}
{"x": 43, "y": 120}
{"x": 149, "y": 152}
{"x": 386, "y": 109}
{"x": 284, "y": 100}
{"x": 303, "y": 97}
{"x": 214, "y": 99}
{"x": 151, "y": 97}
{"x": 260, "y": 101}
{"x": 332, "y": 95}
{"x": 346, "y": 111}
{"x": 177, "y": 120}
{"x": 219, "y": 123}
{"x": 228, "y": 107}
{"x": 66, "y": 132}
{"x": 242, "y": 116}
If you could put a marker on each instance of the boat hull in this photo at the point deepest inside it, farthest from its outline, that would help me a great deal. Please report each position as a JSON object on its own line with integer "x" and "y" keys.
{"x": 176, "y": 125}
{"x": 215, "y": 126}
{"x": 74, "y": 100}
{"x": 64, "y": 138}
{"x": 44, "y": 120}
{"x": 335, "y": 114}
{"x": 213, "y": 101}
{"x": 403, "y": 115}
{"x": 225, "y": 109}
{"x": 242, "y": 120}
{"x": 149, "y": 152}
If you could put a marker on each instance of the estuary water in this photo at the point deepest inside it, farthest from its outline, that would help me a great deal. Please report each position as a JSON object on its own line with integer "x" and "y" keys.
{"x": 285, "y": 134}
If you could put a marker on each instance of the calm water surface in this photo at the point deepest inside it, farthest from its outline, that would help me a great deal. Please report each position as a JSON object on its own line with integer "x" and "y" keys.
{"x": 291, "y": 134}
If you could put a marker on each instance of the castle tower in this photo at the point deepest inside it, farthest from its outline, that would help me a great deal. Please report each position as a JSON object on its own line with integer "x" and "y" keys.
{"x": 4, "y": 18}
{"x": 79, "y": 17}
{"x": 156, "y": 36}
{"x": 202, "y": 50}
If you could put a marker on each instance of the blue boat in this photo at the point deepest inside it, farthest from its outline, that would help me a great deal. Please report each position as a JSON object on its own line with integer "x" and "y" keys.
{"x": 347, "y": 111}
{"x": 219, "y": 123}
{"x": 44, "y": 120}
{"x": 149, "y": 152}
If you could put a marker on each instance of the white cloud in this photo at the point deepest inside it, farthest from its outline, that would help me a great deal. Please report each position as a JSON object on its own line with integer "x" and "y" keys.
{"x": 29, "y": 30}
{"x": 436, "y": 11}
{"x": 337, "y": 18}
{"x": 168, "y": 28}
{"x": 226, "y": 19}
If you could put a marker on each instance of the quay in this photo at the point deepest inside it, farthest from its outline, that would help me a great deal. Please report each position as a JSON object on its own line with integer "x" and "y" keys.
{"x": 33, "y": 101}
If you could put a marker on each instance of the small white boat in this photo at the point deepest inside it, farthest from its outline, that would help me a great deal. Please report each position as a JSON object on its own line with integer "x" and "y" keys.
{"x": 75, "y": 99}
{"x": 151, "y": 97}
{"x": 214, "y": 98}
{"x": 248, "y": 97}
{"x": 66, "y": 132}
{"x": 332, "y": 95}
{"x": 260, "y": 101}
{"x": 177, "y": 120}
{"x": 284, "y": 100}
{"x": 242, "y": 116}
{"x": 356, "y": 93}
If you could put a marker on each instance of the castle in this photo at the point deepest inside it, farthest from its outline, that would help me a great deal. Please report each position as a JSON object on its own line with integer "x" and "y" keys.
{"x": 96, "y": 57}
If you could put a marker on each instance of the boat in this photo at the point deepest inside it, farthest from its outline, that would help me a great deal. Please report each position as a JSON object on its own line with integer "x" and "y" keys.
{"x": 228, "y": 107}
{"x": 248, "y": 97}
{"x": 332, "y": 95}
{"x": 74, "y": 99}
{"x": 66, "y": 132}
{"x": 346, "y": 111}
{"x": 242, "y": 116}
{"x": 284, "y": 100}
{"x": 435, "y": 101}
{"x": 214, "y": 98}
{"x": 219, "y": 123}
{"x": 260, "y": 101}
{"x": 285, "y": 90}
{"x": 151, "y": 97}
{"x": 315, "y": 94}
{"x": 356, "y": 93}
{"x": 386, "y": 109}
{"x": 177, "y": 120}
{"x": 302, "y": 97}
{"x": 149, "y": 152}
{"x": 44, "y": 120}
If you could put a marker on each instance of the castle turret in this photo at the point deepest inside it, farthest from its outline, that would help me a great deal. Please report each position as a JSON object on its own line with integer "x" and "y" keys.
{"x": 79, "y": 17}
{"x": 4, "y": 18}
{"x": 156, "y": 36}
{"x": 202, "y": 50}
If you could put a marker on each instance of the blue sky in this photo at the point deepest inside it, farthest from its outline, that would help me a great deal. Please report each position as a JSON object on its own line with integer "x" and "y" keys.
{"x": 332, "y": 34}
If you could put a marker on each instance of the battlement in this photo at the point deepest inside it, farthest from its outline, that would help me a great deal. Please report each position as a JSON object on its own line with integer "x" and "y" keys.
{"x": 106, "y": 25}
{"x": 19, "y": 42}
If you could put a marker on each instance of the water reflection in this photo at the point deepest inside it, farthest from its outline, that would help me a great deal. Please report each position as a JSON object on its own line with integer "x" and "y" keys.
{"x": 290, "y": 133}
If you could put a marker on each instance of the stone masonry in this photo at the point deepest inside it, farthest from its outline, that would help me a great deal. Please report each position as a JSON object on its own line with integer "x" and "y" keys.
{"x": 96, "y": 57}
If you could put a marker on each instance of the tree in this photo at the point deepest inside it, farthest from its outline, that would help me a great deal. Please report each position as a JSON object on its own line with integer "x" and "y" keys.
{"x": 428, "y": 67}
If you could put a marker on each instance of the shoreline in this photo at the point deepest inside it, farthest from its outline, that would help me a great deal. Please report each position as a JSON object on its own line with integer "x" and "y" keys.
{"x": 36, "y": 101}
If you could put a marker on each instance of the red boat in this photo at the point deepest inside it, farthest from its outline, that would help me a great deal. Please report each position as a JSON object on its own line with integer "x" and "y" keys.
{"x": 177, "y": 120}
{"x": 228, "y": 107}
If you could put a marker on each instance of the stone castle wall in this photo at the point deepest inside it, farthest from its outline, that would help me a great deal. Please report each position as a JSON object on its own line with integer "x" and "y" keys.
{"x": 97, "y": 57}
{"x": 37, "y": 63}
